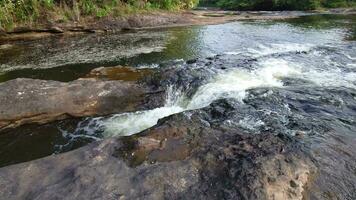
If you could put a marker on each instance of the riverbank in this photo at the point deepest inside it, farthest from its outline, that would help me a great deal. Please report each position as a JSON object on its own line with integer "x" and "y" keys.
{"x": 152, "y": 20}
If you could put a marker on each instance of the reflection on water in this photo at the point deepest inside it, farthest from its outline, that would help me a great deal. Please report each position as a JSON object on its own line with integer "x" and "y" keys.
{"x": 67, "y": 58}
{"x": 35, "y": 141}
{"x": 325, "y": 22}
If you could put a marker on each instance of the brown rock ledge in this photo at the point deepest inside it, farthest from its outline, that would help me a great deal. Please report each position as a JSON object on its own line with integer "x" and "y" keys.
{"x": 40, "y": 101}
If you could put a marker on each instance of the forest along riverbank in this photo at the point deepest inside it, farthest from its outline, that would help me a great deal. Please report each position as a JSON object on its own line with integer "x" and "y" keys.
{"x": 266, "y": 112}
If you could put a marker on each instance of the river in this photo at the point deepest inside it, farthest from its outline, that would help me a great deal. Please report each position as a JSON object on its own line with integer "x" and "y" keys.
{"x": 304, "y": 70}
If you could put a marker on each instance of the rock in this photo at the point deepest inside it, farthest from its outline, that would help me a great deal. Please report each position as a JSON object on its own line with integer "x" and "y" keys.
{"x": 6, "y": 46}
{"x": 192, "y": 61}
{"x": 179, "y": 158}
{"x": 119, "y": 73}
{"x": 23, "y": 36}
{"x": 28, "y": 29}
{"x": 22, "y": 29}
{"x": 2, "y": 31}
{"x": 39, "y": 101}
{"x": 55, "y": 29}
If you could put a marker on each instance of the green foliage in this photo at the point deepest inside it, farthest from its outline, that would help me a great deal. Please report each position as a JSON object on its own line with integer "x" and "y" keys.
{"x": 48, "y": 3}
{"x": 280, "y": 4}
{"x": 30, "y": 11}
{"x": 21, "y": 10}
{"x": 337, "y": 3}
{"x": 88, "y": 7}
{"x": 103, "y": 12}
{"x": 172, "y": 4}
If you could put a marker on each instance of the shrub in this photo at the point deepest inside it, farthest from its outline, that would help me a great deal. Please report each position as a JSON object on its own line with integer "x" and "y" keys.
{"x": 29, "y": 11}
{"x": 281, "y": 4}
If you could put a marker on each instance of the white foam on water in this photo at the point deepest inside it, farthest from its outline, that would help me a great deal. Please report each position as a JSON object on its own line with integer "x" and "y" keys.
{"x": 250, "y": 123}
{"x": 333, "y": 77}
{"x": 263, "y": 50}
{"x": 233, "y": 53}
{"x": 274, "y": 48}
{"x": 232, "y": 84}
{"x": 350, "y": 57}
{"x": 130, "y": 123}
{"x": 148, "y": 66}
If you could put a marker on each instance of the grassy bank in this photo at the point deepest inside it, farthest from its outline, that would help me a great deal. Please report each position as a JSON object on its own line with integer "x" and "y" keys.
{"x": 279, "y": 4}
{"x": 29, "y": 12}
{"x": 15, "y": 13}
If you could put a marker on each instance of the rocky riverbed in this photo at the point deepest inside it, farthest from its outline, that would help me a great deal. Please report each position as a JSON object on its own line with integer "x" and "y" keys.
{"x": 244, "y": 110}
{"x": 196, "y": 154}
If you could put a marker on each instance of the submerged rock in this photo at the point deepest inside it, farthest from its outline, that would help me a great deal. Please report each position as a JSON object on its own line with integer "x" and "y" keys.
{"x": 39, "y": 101}
{"x": 191, "y": 155}
{"x": 119, "y": 73}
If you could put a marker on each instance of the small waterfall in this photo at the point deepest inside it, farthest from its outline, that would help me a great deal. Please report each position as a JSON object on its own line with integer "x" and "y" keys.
{"x": 232, "y": 84}
{"x": 130, "y": 123}
{"x": 268, "y": 72}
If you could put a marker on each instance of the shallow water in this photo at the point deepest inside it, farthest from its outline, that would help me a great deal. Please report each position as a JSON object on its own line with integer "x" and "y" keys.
{"x": 312, "y": 54}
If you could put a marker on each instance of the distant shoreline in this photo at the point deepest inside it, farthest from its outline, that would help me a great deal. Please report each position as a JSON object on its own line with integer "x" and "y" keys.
{"x": 153, "y": 20}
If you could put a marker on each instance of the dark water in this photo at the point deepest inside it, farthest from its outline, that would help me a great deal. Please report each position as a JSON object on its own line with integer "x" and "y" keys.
{"x": 35, "y": 141}
{"x": 312, "y": 57}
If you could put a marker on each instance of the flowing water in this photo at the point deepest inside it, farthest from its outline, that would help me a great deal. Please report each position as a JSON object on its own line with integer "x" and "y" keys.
{"x": 312, "y": 54}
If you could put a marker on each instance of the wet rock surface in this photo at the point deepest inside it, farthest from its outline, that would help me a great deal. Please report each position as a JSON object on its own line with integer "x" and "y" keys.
{"x": 194, "y": 154}
{"x": 38, "y": 101}
{"x": 123, "y": 73}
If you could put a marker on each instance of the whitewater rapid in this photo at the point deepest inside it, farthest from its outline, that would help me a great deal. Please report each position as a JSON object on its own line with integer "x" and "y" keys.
{"x": 234, "y": 83}
{"x": 230, "y": 84}
{"x": 274, "y": 63}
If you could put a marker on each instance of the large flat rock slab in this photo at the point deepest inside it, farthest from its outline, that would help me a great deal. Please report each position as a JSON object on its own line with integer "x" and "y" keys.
{"x": 191, "y": 155}
{"x": 40, "y": 101}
